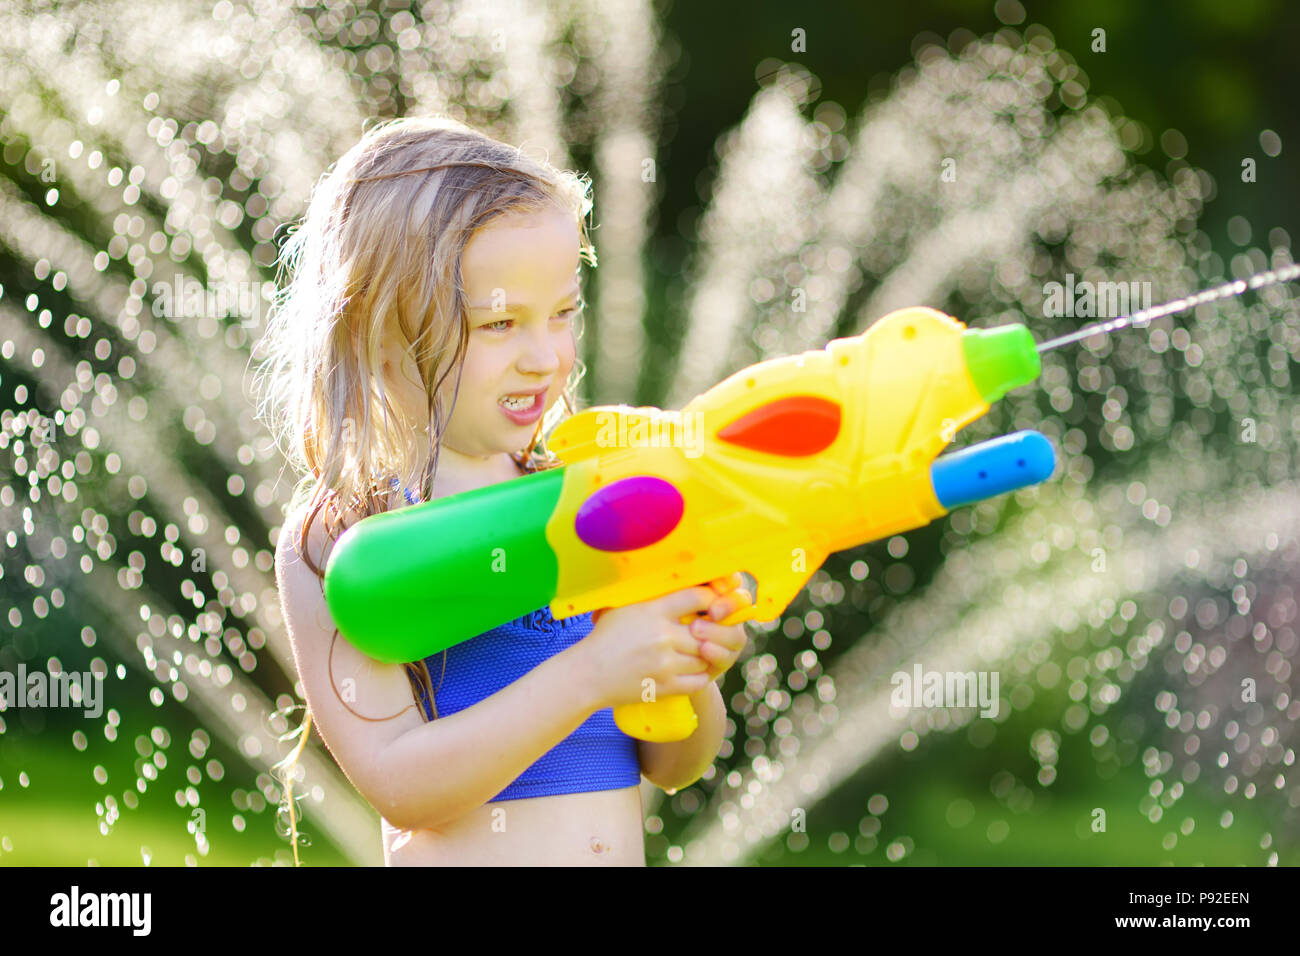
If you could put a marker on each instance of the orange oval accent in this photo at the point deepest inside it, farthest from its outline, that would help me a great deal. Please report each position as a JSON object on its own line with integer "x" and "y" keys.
{"x": 794, "y": 426}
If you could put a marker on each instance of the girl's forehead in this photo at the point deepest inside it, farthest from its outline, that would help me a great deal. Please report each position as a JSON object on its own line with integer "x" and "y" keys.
{"x": 524, "y": 255}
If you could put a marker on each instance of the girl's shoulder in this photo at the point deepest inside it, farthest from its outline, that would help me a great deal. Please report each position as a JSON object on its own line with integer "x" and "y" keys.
{"x": 317, "y": 543}
{"x": 322, "y": 533}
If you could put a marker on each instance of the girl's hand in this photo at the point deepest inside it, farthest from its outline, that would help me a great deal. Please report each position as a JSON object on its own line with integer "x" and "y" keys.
{"x": 721, "y": 646}
{"x": 647, "y": 640}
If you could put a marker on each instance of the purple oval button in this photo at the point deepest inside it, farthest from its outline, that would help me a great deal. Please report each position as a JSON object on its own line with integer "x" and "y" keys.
{"x": 629, "y": 513}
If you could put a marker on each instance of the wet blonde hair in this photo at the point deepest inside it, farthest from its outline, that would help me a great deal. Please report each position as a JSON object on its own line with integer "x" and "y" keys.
{"x": 381, "y": 244}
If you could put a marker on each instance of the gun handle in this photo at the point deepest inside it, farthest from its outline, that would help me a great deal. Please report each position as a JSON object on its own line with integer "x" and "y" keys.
{"x": 660, "y": 721}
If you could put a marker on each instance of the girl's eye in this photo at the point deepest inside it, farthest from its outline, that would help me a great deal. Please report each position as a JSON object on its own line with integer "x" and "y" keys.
{"x": 566, "y": 314}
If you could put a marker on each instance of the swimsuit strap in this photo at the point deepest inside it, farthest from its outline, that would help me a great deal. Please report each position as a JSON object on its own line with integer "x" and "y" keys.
{"x": 411, "y": 497}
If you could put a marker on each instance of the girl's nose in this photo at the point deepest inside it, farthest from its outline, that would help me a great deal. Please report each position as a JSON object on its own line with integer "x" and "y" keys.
{"x": 539, "y": 356}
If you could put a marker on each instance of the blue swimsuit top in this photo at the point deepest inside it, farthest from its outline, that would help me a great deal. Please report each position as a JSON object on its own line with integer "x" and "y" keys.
{"x": 596, "y": 756}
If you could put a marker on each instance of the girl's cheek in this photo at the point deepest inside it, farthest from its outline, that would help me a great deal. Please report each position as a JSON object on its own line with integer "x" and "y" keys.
{"x": 568, "y": 355}
{"x": 473, "y": 381}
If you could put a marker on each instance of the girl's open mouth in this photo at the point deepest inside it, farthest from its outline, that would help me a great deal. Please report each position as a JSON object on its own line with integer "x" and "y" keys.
{"x": 524, "y": 408}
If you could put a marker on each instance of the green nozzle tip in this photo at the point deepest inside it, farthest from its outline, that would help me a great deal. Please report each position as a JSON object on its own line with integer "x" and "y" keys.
{"x": 1000, "y": 359}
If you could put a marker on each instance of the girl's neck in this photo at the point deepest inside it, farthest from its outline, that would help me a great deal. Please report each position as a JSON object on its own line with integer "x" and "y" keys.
{"x": 490, "y": 472}
{"x": 458, "y": 480}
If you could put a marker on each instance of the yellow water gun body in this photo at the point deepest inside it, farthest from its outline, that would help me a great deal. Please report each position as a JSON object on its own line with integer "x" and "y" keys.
{"x": 769, "y": 471}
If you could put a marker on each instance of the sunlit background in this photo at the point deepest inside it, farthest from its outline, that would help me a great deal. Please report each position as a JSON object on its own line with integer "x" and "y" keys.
{"x": 1139, "y": 607}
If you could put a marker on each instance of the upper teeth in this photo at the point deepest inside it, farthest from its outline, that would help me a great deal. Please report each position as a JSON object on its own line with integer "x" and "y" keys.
{"x": 519, "y": 403}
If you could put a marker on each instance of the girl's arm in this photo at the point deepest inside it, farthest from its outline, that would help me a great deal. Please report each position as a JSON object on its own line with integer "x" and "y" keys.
{"x": 439, "y": 772}
{"x": 418, "y": 775}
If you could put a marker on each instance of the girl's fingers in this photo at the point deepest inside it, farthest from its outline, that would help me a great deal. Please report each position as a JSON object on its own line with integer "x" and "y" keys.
{"x": 728, "y": 604}
{"x": 713, "y": 653}
{"x": 732, "y": 637}
{"x": 688, "y": 601}
{"x": 693, "y": 663}
{"x": 688, "y": 645}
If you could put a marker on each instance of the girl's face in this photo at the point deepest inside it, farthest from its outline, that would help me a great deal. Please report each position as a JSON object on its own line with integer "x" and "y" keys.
{"x": 520, "y": 274}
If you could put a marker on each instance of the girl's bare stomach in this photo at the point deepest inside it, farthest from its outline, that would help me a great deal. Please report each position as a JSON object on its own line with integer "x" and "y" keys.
{"x": 599, "y": 828}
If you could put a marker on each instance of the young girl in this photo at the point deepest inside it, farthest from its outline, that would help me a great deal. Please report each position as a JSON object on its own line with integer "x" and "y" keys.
{"x": 424, "y": 347}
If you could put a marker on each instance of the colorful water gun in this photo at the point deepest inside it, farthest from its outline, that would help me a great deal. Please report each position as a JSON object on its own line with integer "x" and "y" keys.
{"x": 769, "y": 471}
